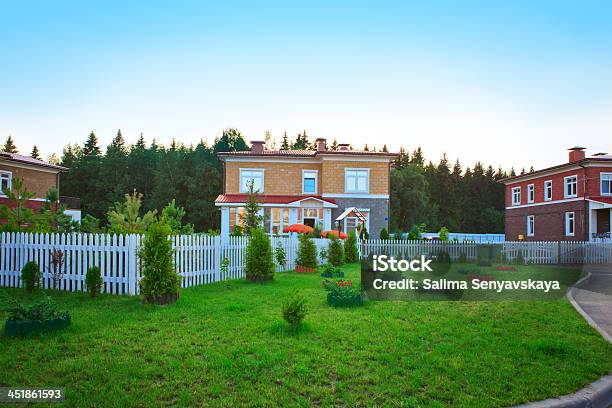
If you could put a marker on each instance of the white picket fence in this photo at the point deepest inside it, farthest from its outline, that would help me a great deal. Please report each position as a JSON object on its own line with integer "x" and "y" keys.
{"x": 199, "y": 259}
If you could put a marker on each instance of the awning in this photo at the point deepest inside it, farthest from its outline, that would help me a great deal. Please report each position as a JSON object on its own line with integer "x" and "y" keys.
{"x": 352, "y": 212}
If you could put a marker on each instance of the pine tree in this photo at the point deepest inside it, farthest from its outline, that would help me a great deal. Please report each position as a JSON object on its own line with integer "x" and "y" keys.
{"x": 91, "y": 147}
{"x": 384, "y": 149}
{"x": 366, "y": 148}
{"x": 9, "y": 145}
{"x": 334, "y": 145}
{"x": 417, "y": 157}
{"x": 35, "y": 154}
{"x": 285, "y": 143}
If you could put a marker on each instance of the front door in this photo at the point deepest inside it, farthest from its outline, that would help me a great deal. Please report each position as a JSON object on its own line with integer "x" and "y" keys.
{"x": 310, "y": 222}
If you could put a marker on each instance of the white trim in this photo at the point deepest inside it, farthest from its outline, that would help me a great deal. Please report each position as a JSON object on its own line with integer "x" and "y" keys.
{"x": 298, "y": 159}
{"x": 357, "y": 169}
{"x": 263, "y": 179}
{"x": 357, "y": 158}
{"x": 530, "y": 193}
{"x": 10, "y": 181}
{"x": 30, "y": 167}
{"x": 292, "y": 204}
{"x": 567, "y": 200}
{"x": 316, "y": 177}
{"x": 601, "y": 184}
{"x": 565, "y": 184}
{"x": 530, "y": 230}
{"x": 567, "y": 218}
{"x": 264, "y": 159}
{"x": 516, "y": 203}
{"x": 545, "y": 173}
{"x": 551, "y": 190}
{"x": 355, "y": 195}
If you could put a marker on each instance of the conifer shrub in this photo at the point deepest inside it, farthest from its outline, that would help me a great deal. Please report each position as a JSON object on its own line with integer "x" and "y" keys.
{"x": 93, "y": 280}
{"x": 259, "y": 263}
{"x": 307, "y": 252}
{"x": 160, "y": 282}
{"x": 335, "y": 251}
{"x": 30, "y": 275}
{"x": 384, "y": 234}
{"x": 294, "y": 310}
{"x": 351, "y": 254}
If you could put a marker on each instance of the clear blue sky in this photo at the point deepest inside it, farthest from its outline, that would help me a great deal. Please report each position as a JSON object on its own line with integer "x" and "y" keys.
{"x": 509, "y": 83}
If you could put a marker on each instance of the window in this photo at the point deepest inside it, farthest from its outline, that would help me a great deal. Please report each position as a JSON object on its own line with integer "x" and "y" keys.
{"x": 530, "y": 193}
{"x": 312, "y": 217}
{"x": 356, "y": 180}
{"x": 6, "y": 179}
{"x": 571, "y": 186}
{"x": 516, "y": 196}
{"x": 569, "y": 224}
{"x": 530, "y": 225}
{"x": 606, "y": 183}
{"x": 548, "y": 190}
{"x": 354, "y": 224}
{"x": 309, "y": 181}
{"x": 246, "y": 175}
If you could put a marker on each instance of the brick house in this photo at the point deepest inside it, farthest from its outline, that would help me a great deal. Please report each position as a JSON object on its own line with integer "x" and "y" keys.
{"x": 567, "y": 202}
{"x": 323, "y": 188}
{"x": 38, "y": 177}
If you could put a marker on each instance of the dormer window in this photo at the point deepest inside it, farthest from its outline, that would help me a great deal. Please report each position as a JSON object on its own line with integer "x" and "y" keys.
{"x": 254, "y": 175}
{"x": 309, "y": 181}
{"x": 516, "y": 196}
{"x": 571, "y": 186}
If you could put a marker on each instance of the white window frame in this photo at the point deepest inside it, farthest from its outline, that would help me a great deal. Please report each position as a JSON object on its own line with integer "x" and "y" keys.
{"x": 243, "y": 188}
{"x": 356, "y": 190}
{"x": 570, "y": 216}
{"x": 605, "y": 177}
{"x": 566, "y": 182}
{"x": 547, "y": 197}
{"x": 516, "y": 190}
{"x": 309, "y": 174}
{"x": 530, "y": 225}
{"x": 531, "y": 193}
{"x": 10, "y": 180}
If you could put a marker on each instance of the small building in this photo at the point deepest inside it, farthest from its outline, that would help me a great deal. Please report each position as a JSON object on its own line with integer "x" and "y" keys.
{"x": 311, "y": 187}
{"x": 568, "y": 202}
{"x": 38, "y": 177}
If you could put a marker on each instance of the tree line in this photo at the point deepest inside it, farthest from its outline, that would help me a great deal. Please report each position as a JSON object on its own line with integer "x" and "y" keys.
{"x": 423, "y": 193}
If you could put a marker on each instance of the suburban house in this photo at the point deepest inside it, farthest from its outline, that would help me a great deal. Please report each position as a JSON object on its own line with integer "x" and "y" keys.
{"x": 38, "y": 177}
{"x": 568, "y": 202}
{"x": 331, "y": 189}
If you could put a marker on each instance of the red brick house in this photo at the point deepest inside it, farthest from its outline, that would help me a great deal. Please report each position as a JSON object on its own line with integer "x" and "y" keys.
{"x": 568, "y": 202}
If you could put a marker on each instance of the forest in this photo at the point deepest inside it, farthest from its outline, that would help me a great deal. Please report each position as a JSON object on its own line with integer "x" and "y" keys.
{"x": 424, "y": 193}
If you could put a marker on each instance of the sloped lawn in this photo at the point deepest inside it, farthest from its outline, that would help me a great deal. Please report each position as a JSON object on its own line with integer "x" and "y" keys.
{"x": 226, "y": 344}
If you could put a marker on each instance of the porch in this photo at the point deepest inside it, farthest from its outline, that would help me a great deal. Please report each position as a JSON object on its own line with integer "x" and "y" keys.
{"x": 600, "y": 219}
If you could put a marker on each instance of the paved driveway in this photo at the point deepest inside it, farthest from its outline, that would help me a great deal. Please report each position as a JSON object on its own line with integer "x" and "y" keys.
{"x": 594, "y": 296}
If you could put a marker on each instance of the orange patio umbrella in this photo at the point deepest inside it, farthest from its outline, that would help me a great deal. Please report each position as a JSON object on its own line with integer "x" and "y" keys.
{"x": 338, "y": 234}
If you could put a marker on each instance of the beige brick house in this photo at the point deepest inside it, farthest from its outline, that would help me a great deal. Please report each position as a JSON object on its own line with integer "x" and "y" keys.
{"x": 313, "y": 187}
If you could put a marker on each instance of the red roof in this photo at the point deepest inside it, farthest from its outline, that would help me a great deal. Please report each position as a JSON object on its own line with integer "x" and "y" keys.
{"x": 268, "y": 199}
{"x": 600, "y": 199}
{"x": 29, "y": 160}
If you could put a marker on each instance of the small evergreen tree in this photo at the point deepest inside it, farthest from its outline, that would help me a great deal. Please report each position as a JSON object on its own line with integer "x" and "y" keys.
{"x": 93, "y": 280}
{"x": 307, "y": 252}
{"x": 35, "y": 154}
{"x": 259, "y": 265}
{"x": 443, "y": 234}
{"x": 280, "y": 255}
{"x": 160, "y": 282}
{"x": 384, "y": 234}
{"x": 351, "y": 253}
{"x": 30, "y": 275}
{"x": 294, "y": 310}
{"x": 253, "y": 218}
{"x": 17, "y": 215}
{"x": 335, "y": 252}
{"x": 285, "y": 143}
{"x": 9, "y": 145}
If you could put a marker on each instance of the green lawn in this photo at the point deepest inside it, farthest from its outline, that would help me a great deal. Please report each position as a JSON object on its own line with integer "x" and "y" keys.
{"x": 226, "y": 344}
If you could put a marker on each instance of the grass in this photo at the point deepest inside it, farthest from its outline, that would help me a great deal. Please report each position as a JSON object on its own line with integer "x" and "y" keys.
{"x": 226, "y": 344}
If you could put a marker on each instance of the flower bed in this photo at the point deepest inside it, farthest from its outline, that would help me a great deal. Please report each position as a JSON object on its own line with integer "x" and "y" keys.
{"x": 343, "y": 294}
{"x": 304, "y": 269}
{"x": 40, "y": 317}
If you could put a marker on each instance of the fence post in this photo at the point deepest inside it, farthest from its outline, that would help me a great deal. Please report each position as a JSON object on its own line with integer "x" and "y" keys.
{"x": 132, "y": 254}
{"x": 217, "y": 257}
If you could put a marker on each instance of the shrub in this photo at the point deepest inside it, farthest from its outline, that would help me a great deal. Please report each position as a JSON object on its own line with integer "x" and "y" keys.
{"x": 307, "y": 252}
{"x": 323, "y": 253}
{"x": 443, "y": 234}
{"x": 294, "y": 310}
{"x": 42, "y": 309}
{"x": 30, "y": 274}
{"x": 160, "y": 282}
{"x": 416, "y": 232}
{"x": 350, "y": 248}
{"x": 40, "y": 317}
{"x": 331, "y": 271}
{"x": 280, "y": 255}
{"x": 335, "y": 251}
{"x": 384, "y": 234}
{"x": 364, "y": 234}
{"x": 462, "y": 257}
{"x": 259, "y": 264}
{"x": 93, "y": 280}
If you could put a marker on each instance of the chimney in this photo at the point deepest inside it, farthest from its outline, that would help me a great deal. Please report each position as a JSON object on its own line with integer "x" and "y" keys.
{"x": 576, "y": 154}
{"x": 257, "y": 146}
{"x": 321, "y": 144}
{"x": 343, "y": 146}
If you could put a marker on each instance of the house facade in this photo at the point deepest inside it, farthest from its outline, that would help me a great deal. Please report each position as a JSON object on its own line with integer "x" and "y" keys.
{"x": 340, "y": 189}
{"x": 38, "y": 177}
{"x": 568, "y": 202}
